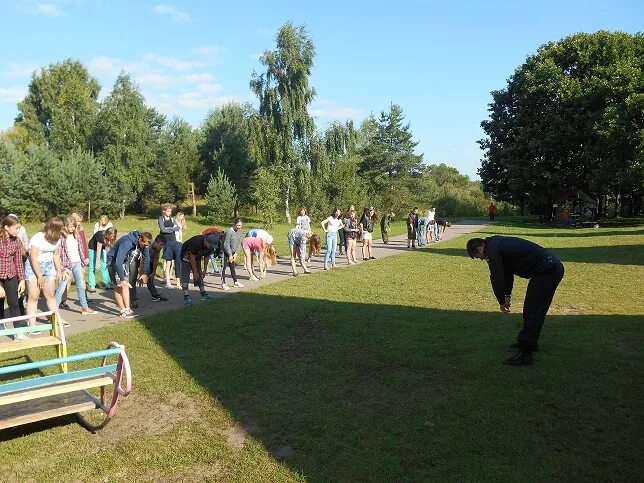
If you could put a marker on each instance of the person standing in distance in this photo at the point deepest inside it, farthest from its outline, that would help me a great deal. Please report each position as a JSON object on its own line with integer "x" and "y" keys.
{"x": 509, "y": 256}
{"x": 231, "y": 245}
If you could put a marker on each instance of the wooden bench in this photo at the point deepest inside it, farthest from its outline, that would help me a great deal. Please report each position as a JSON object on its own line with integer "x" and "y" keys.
{"x": 28, "y": 400}
{"x": 55, "y": 338}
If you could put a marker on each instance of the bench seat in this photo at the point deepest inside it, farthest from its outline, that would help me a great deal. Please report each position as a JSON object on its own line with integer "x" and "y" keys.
{"x": 30, "y": 411}
{"x": 18, "y": 345}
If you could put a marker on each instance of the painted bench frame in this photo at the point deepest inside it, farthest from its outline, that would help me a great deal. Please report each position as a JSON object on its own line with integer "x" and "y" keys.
{"x": 24, "y": 401}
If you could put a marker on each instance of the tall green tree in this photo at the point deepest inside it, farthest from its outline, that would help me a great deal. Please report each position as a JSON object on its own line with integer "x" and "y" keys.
{"x": 388, "y": 153}
{"x": 60, "y": 107}
{"x": 284, "y": 95}
{"x": 569, "y": 117}
{"x": 127, "y": 132}
{"x": 227, "y": 135}
{"x": 177, "y": 163}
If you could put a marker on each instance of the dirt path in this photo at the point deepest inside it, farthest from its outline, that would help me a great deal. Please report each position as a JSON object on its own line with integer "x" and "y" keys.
{"x": 102, "y": 301}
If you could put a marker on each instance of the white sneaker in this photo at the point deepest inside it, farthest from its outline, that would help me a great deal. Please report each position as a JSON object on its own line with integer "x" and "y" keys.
{"x": 225, "y": 286}
{"x": 238, "y": 285}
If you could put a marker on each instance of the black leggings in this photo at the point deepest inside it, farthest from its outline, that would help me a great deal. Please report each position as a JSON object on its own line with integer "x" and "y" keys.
{"x": 224, "y": 264}
{"x": 11, "y": 289}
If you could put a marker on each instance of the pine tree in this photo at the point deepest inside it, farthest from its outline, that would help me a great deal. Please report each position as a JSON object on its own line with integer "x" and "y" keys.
{"x": 221, "y": 197}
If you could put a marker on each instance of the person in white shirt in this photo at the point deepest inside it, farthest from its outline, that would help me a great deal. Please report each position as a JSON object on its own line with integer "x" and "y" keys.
{"x": 43, "y": 266}
{"x": 102, "y": 224}
{"x": 303, "y": 222}
{"x": 331, "y": 227}
{"x": 430, "y": 233}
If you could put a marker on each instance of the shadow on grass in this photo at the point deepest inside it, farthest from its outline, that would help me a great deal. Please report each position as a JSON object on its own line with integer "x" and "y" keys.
{"x": 614, "y": 254}
{"x": 576, "y": 234}
{"x": 343, "y": 391}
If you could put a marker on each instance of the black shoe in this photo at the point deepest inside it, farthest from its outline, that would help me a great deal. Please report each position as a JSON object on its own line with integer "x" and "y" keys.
{"x": 517, "y": 345}
{"x": 63, "y": 305}
{"x": 134, "y": 304}
{"x": 519, "y": 359}
{"x": 159, "y": 298}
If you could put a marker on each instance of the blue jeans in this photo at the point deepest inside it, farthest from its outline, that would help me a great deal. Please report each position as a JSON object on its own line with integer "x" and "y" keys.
{"x": 331, "y": 244}
{"x": 91, "y": 273}
{"x": 77, "y": 272}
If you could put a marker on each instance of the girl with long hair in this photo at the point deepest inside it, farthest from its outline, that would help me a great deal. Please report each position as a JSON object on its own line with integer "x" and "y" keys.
{"x": 169, "y": 228}
{"x": 297, "y": 239}
{"x": 72, "y": 265}
{"x": 351, "y": 230}
{"x": 102, "y": 224}
{"x": 43, "y": 266}
{"x": 99, "y": 245}
{"x": 12, "y": 269}
{"x": 367, "y": 223}
{"x": 331, "y": 226}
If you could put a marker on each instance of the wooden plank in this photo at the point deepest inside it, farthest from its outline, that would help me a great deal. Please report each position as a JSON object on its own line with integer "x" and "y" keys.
{"x": 48, "y": 414}
{"x": 18, "y": 345}
{"x": 27, "y": 330}
{"x": 62, "y": 388}
{"x": 43, "y": 381}
{"x": 44, "y": 404}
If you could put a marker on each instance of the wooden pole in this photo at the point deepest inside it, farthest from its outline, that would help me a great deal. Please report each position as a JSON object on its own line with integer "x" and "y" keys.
{"x": 194, "y": 201}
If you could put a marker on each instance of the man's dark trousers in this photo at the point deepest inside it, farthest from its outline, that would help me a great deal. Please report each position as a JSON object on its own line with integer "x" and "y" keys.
{"x": 538, "y": 297}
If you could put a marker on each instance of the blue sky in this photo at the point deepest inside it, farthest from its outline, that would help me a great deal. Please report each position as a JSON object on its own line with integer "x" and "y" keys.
{"x": 438, "y": 60}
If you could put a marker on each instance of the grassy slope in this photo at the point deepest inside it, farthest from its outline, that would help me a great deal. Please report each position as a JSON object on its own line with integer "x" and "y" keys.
{"x": 388, "y": 371}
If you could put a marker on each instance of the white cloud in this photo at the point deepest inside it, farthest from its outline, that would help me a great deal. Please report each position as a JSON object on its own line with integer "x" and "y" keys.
{"x": 47, "y": 9}
{"x": 326, "y": 109}
{"x": 175, "y": 14}
{"x": 16, "y": 71}
{"x": 207, "y": 50}
{"x": 198, "y": 78}
{"x": 174, "y": 63}
{"x": 155, "y": 79}
{"x": 12, "y": 95}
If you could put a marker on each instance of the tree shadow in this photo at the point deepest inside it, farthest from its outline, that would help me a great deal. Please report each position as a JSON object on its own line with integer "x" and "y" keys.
{"x": 613, "y": 254}
{"x": 342, "y": 391}
{"x": 576, "y": 234}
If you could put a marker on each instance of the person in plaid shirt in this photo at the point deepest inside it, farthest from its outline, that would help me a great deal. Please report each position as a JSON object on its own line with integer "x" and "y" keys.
{"x": 12, "y": 269}
{"x": 72, "y": 263}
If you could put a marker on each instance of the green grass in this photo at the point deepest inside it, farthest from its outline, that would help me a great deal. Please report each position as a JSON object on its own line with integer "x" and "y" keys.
{"x": 389, "y": 371}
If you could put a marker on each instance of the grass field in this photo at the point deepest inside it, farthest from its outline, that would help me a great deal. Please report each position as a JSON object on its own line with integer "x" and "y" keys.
{"x": 390, "y": 371}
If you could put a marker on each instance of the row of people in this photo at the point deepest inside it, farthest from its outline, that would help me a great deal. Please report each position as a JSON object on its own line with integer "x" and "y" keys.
{"x": 423, "y": 231}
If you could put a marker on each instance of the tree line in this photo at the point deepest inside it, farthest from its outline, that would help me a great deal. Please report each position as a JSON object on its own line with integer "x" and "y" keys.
{"x": 571, "y": 117}
{"x": 67, "y": 151}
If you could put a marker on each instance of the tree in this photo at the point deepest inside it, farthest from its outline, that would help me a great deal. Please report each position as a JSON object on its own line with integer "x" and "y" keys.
{"x": 177, "y": 164}
{"x": 126, "y": 138}
{"x": 221, "y": 196}
{"x": 569, "y": 117}
{"x": 388, "y": 153}
{"x": 266, "y": 190}
{"x": 284, "y": 95}
{"x": 60, "y": 107}
{"x": 43, "y": 184}
{"x": 227, "y": 135}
